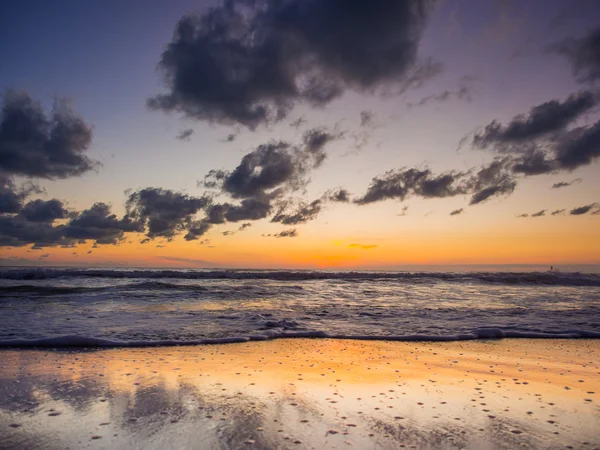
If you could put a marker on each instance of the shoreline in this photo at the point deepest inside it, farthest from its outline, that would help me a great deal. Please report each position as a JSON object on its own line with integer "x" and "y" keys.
{"x": 482, "y": 335}
{"x": 305, "y": 393}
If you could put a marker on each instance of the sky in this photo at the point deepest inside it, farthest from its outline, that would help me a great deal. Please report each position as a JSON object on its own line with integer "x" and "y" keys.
{"x": 299, "y": 133}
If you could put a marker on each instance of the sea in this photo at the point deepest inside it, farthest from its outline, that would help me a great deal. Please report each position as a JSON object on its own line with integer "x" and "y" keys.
{"x": 86, "y": 307}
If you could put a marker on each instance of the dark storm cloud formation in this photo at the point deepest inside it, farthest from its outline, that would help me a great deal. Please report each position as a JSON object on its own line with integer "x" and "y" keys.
{"x": 456, "y": 212}
{"x": 583, "y": 54}
{"x": 36, "y": 144}
{"x": 249, "y": 62}
{"x": 562, "y": 184}
{"x": 489, "y": 181}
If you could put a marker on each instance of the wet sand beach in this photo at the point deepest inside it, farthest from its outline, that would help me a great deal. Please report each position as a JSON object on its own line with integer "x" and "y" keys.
{"x": 305, "y": 393}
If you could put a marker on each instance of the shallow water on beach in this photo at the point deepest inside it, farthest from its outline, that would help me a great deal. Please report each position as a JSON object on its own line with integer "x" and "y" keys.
{"x": 154, "y": 307}
{"x": 305, "y": 394}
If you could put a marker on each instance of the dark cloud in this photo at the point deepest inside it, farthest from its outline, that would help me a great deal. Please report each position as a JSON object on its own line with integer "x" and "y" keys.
{"x": 299, "y": 122}
{"x": 557, "y": 212}
{"x": 100, "y": 225}
{"x": 165, "y": 213}
{"x": 367, "y": 118}
{"x": 17, "y": 231}
{"x": 523, "y": 215}
{"x": 250, "y": 62}
{"x": 315, "y": 141}
{"x": 399, "y": 184}
{"x": 11, "y": 198}
{"x": 287, "y": 233}
{"x": 562, "y": 184}
{"x": 464, "y": 91}
{"x": 363, "y": 246}
{"x": 244, "y": 226}
{"x": 533, "y": 162}
{"x": 549, "y": 117}
{"x": 45, "y": 211}
{"x": 583, "y": 54}
{"x": 456, "y": 212}
{"x": 185, "y": 134}
{"x": 540, "y": 143}
{"x": 36, "y": 144}
{"x": 489, "y": 181}
{"x": 230, "y": 137}
{"x": 584, "y": 209}
{"x": 539, "y": 213}
{"x": 578, "y": 147}
{"x": 337, "y": 195}
{"x": 301, "y": 214}
{"x": 196, "y": 229}
{"x": 272, "y": 168}
{"x": 404, "y": 212}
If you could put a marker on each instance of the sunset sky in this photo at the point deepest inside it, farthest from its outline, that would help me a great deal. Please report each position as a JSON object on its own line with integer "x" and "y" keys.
{"x": 299, "y": 133}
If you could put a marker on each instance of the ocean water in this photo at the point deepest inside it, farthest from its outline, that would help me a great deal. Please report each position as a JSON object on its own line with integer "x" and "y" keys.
{"x": 127, "y": 307}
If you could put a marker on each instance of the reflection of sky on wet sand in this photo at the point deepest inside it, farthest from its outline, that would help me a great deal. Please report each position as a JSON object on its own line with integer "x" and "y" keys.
{"x": 305, "y": 394}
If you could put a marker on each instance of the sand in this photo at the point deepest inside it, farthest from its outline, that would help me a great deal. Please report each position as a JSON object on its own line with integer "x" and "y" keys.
{"x": 305, "y": 393}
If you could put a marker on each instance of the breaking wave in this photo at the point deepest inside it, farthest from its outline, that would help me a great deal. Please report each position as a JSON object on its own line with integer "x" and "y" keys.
{"x": 511, "y": 278}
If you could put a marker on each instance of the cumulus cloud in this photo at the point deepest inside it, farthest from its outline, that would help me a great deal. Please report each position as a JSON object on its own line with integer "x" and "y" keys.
{"x": 99, "y": 224}
{"x": 185, "y": 134}
{"x": 583, "y": 54}
{"x": 251, "y": 62}
{"x": 11, "y": 196}
{"x": 34, "y": 143}
{"x": 562, "y": 184}
{"x": 166, "y": 213}
{"x": 264, "y": 175}
{"x": 594, "y": 207}
{"x": 456, "y": 212}
{"x": 45, "y": 211}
